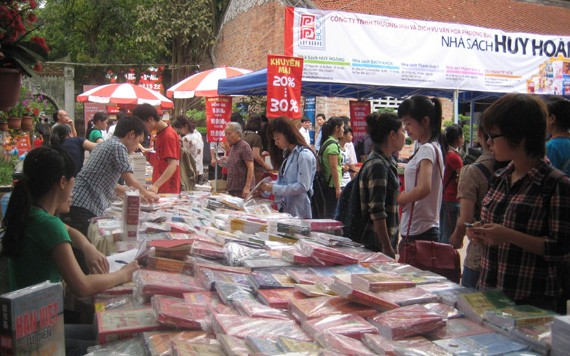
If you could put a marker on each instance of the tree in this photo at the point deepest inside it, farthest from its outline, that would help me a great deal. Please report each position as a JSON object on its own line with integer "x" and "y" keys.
{"x": 97, "y": 32}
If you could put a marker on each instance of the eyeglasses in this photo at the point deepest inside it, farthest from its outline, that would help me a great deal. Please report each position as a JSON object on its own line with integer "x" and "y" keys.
{"x": 493, "y": 137}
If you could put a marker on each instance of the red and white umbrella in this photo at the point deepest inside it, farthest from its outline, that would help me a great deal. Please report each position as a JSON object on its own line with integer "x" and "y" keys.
{"x": 125, "y": 95}
{"x": 204, "y": 83}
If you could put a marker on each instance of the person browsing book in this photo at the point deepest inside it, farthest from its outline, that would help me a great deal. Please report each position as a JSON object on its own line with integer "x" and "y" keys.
{"x": 296, "y": 159}
{"x": 524, "y": 228}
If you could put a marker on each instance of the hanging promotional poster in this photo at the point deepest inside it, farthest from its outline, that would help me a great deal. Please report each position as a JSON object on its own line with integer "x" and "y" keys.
{"x": 284, "y": 75}
{"x": 358, "y": 112}
{"x": 218, "y": 112}
{"x": 347, "y": 47}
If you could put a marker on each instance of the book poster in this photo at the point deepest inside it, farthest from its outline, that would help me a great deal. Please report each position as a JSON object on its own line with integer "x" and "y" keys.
{"x": 284, "y": 75}
{"x": 218, "y": 112}
{"x": 358, "y": 112}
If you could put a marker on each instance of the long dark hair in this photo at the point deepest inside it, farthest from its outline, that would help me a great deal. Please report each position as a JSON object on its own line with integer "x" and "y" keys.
{"x": 450, "y": 136}
{"x": 329, "y": 127}
{"x": 418, "y": 107}
{"x": 379, "y": 126}
{"x": 43, "y": 167}
{"x": 286, "y": 127}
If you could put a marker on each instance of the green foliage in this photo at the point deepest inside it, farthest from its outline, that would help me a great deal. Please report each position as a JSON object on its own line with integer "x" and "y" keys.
{"x": 202, "y": 129}
{"x": 199, "y": 116}
{"x": 6, "y": 171}
{"x": 387, "y": 110}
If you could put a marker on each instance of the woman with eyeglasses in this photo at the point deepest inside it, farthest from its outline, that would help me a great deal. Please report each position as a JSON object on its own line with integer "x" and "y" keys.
{"x": 524, "y": 228}
{"x": 289, "y": 151}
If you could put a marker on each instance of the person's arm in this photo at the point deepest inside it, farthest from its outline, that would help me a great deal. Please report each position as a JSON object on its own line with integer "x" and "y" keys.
{"x": 88, "y": 145}
{"x": 87, "y": 285}
{"x": 466, "y": 213}
{"x": 422, "y": 188}
{"x": 496, "y": 234}
{"x": 381, "y": 230}
{"x": 248, "y": 179}
{"x": 95, "y": 260}
{"x": 71, "y": 124}
{"x": 130, "y": 180}
{"x": 166, "y": 175}
{"x": 257, "y": 157}
{"x": 333, "y": 163}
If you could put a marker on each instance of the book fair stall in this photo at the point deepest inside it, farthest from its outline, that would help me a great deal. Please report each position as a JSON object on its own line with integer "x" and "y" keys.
{"x": 223, "y": 275}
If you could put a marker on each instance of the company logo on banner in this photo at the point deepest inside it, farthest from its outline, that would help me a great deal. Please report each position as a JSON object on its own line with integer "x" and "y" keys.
{"x": 358, "y": 112}
{"x": 311, "y": 34}
{"x": 284, "y": 75}
{"x": 218, "y": 111}
{"x": 444, "y": 56}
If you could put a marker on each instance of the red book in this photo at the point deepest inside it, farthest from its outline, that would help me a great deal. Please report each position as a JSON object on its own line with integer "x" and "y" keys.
{"x": 376, "y": 282}
{"x": 407, "y": 321}
{"x": 254, "y": 308}
{"x": 148, "y": 283}
{"x": 311, "y": 308}
{"x": 244, "y": 326}
{"x": 342, "y": 344}
{"x": 122, "y": 324}
{"x": 348, "y": 290}
{"x": 178, "y": 313}
{"x": 279, "y": 297}
{"x": 350, "y": 325}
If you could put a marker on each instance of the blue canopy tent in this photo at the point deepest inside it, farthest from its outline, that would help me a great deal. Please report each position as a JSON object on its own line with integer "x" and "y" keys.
{"x": 255, "y": 83}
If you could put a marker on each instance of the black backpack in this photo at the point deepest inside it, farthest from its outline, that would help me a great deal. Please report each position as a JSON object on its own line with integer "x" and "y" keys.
{"x": 320, "y": 185}
{"x": 349, "y": 211}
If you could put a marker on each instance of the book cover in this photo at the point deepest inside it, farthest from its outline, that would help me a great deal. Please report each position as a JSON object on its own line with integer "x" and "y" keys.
{"x": 266, "y": 280}
{"x": 254, "y": 308}
{"x": 120, "y": 324}
{"x": 348, "y": 290}
{"x": 407, "y": 321}
{"x": 158, "y": 342}
{"x": 262, "y": 345}
{"x": 474, "y": 305}
{"x": 279, "y": 298}
{"x": 233, "y": 346}
{"x": 209, "y": 278}
{"x": 408, "y": 296}
{"x": 483, "y": 344}
{"x": 178, "y": 313}
{"x": 311, "y": 308}
{"x": 182, "y": 347}
{"x": 518, "y": 315}
{"x": 376, "y": 282}
{"x": 165, "y": 265}
{"x": 342, "y": 344}
{"x": 287, "y": 344}
{"x": 148, "y": 283}
{"x": 32, "y": 321}
{"x": 251, "y": 326}
{"x": 350, "y": 325}
{"x": 230, "y": 292}
{"x": 310, "y": 290}
{"x": 458, "y": 328}
{"x": 446, "y": 311}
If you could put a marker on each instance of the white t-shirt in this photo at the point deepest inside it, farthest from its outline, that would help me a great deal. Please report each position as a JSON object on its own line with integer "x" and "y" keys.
{"x": 345, "y": 175}
{"x": 349, "y": 147}
{"x": 426, "y": 211}
{"x": 194, "y": 143}
{"x": 305, "y": 133}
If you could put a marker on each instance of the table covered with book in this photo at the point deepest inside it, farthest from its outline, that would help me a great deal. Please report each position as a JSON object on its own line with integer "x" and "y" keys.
{"x": 224, "y": 276}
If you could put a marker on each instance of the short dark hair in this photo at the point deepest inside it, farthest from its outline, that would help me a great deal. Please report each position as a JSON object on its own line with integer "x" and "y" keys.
{"x": 519, "y": 117}
{"x": 379, "y": 126}
{"x": 128, "y": 124}
{"x": 560, "y": 108}
{"x": 144, "y": 111}
{"x": 253, "y": 123}
{"x": 321, "y": 115}
{"x": 305, "y": 119}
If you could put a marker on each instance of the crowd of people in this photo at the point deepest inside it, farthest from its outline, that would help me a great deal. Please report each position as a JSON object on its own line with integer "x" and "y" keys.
{"x": 512, "y": 203}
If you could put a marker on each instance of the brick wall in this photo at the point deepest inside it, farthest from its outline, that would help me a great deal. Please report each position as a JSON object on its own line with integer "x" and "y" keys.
{"x": 254, "y": 29}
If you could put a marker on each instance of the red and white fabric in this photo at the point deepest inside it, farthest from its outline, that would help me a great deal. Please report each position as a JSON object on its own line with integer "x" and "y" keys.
{"x": 125, "y": 94}
{"x": 204, "y": 83}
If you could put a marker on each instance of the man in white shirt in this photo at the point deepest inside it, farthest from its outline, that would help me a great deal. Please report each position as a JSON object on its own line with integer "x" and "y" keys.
{"x": 305, "y": 128}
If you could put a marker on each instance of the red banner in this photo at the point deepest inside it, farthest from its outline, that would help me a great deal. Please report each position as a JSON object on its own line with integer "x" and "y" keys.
{"x": 284, "y": 75}
{"x": 358, "y": 112}
{"x": 152, "y": 79}
{"x": 218, "y": 112}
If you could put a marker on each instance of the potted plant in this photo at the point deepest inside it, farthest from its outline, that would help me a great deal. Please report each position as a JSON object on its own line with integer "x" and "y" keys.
{"x": 18, "y": 54}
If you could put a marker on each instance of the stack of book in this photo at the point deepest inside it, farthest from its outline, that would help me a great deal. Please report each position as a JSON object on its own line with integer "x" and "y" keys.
{"x": 138, "y": 161}
{"x": 560, "y": 332}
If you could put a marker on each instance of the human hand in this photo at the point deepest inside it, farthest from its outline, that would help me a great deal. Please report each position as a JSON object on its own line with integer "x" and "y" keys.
{"x": 96, "y": 261}
{"x": 389, "y": 251}
{"x": 128, "y": 270}
{"x": 150, "y": 197}
{"x": 456, "y": 240}
{"x": 153, "y": 188}
{"x": 338, "y": 192}
{"x": 266, "y": 187}
{"x": 245, "y": 192}
{"x": 120, "y": 190}
{"x": 492, "y": 234}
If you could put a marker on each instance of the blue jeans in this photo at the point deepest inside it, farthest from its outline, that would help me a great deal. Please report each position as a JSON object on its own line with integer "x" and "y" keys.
{"x": 470, "y": 277}
{"x": 447, "y": 220}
